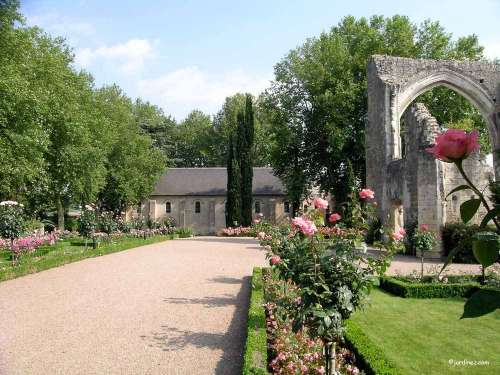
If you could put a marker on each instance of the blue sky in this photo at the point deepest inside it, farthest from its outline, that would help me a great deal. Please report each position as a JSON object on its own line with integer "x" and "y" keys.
{"x": 183, "y": 55}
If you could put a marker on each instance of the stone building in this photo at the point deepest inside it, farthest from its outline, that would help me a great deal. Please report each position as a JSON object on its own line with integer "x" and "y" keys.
{"x": 196, "y": 198}
{"x": 410, "y": 185}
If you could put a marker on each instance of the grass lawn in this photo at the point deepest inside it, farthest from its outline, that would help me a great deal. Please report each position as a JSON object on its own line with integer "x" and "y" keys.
{"x": 422, "y": 336}
{"x": 63, "y": 252}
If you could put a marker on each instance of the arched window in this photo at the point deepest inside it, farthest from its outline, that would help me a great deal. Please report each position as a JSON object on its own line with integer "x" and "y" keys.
{"x": 287, "y": 206}
{"x": 257, "y": 207}
{"x": 168, "y": 207}
{"x": 197, "y": 207}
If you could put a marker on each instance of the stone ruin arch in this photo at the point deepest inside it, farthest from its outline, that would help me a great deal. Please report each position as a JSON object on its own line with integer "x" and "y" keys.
{"x": 419, "y": 181}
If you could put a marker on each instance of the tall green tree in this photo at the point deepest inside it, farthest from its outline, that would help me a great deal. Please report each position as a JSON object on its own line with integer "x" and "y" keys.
{"x": 133, "y": 163}
{"x": 317, "y": 104}
{"x": 233, "y": 199}
{"x": 245, "y": 146}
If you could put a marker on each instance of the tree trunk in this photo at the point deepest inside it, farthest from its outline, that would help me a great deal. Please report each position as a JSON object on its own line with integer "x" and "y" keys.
{"x": 60, "y": 214}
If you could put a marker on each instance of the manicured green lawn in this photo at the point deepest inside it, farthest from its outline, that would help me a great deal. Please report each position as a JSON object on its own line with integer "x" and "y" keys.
{"x": 422, "y": 336}
{"x": 63, "y": 252}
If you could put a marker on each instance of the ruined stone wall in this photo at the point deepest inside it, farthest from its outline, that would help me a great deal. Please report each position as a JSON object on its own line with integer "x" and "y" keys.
{"x": 393, "y": 83}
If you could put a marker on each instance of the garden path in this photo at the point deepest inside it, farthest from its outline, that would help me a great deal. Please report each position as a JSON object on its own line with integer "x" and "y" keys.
{"x": 176, "y": 307}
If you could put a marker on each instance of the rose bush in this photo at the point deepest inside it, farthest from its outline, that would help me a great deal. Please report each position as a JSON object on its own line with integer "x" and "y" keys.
{"x": 331, "y": 276}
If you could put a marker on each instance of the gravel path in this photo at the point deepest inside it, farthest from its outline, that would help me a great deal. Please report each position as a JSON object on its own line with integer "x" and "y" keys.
{"x": 177, "y": 307}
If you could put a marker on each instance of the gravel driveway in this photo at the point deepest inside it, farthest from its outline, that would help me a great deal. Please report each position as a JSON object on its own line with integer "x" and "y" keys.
{"x": 176, "y": 307}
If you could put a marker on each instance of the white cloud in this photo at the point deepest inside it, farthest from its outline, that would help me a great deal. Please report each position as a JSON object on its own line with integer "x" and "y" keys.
{"x": 492, "y": 50}
{"x": 73, "y": 30}
{"x": 183, "y": 90}
{"x": 128, "y": 57}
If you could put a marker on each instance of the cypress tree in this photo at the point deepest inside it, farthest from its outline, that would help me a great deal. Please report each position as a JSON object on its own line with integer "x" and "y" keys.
{"x": 245, "y": 146}
{"x": 233, "y": 208}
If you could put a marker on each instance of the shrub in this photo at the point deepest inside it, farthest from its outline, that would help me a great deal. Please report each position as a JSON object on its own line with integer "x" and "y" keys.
{"x": 407, "y": 289}
{"x": 107, "y": 223}
{"x": 255, "y": 355}
{"x": 369, "y": 356}
{"x": 71, "y": 224}
{"x": 461, "y": 235}
{"x": 184, "y": 232}
{"x": 11, "y": 220}
{"x": 32, "y": 226}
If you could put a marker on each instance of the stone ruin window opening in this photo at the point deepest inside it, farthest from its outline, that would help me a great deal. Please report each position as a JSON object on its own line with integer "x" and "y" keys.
{"x": 197, "y": 207}
{"x": 168, "y": 207}
{"x": 257, "y": 207}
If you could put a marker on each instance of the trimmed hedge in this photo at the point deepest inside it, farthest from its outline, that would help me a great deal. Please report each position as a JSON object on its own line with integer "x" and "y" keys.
{"x": 427, "y": 290}
{"x": 255, "y": 355}
{"x": 369, "y": 357}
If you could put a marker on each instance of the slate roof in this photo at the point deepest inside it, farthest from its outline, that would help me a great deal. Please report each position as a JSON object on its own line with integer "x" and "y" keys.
{"x": 213, "y": 182}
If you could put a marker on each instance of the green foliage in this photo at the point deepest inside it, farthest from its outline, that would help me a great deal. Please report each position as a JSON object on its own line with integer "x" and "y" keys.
{"x": 424, "y": 240}
{"x": 245, "y": 137}
{"x": 87, "y": 223}
{"x": 459, "y": 235}
{"x": 316, "y": 105}
{"x": 255, "y": 354}
{"x": 184, "y": 232}
{"x": 370, "y": 356}
{"x": 233, "y": 199}
{"x": 11, "y": 221}
{"x": 428, "y": 290}
{"x": 107, "y": 223}
{"x": 486, "y": 248}
{"x": 71, "y": 224}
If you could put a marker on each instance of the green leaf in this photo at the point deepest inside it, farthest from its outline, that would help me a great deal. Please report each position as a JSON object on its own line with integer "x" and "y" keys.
{"x": 489, "y": 216}
{"x": 458, "y": 188}
{"x": 468, "y": 209}
{"x": 327, "y": 321}
{"x": 449, "y": 259}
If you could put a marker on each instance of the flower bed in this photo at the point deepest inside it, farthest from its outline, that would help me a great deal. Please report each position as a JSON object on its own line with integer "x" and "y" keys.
{"x": 237, "y": 232}
{"x": 403, "y": 287}
{"x": 292, "y": 352}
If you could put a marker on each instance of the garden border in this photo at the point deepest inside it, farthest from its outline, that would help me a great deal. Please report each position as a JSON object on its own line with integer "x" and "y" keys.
{"x": 255, "y": 354}
{"x": 427, "y": 290}
{"x": 368, "y": 355}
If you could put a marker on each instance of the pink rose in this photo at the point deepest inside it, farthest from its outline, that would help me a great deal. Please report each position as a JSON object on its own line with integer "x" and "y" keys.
{"x": 275, "y": 259}
{"x": 366, "y": 194}
{"x": 424, "y": 227}
{"x": 398, "y": 235}
{"x": 454, "y": 145}
{"x": 320, "y": 203}
{"x": 305, "y": 225}
{"x": 334, "y": 217}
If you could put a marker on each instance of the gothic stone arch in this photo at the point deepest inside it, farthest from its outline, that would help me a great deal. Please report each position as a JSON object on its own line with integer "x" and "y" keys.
{"x": 393, "y": 83}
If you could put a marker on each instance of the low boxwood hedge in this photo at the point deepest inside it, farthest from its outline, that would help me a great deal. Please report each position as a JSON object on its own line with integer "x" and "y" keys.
{"x": 255, "y": 356}
{"x": 369, "y": 357}
{"x": 428, "y": 290}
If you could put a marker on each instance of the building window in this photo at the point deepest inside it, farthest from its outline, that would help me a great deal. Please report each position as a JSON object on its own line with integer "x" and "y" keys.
{"x": 168, "y": 207}
{"x": 287, "y": 207}
{"x": 257, "y": 207}
{"x": 197, "y": 207}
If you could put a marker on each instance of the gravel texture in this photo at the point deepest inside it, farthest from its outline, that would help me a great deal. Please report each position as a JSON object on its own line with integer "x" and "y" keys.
{"x": 176, "y": 307}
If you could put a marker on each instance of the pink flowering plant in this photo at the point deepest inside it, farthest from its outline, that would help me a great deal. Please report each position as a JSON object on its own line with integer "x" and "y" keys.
{"x": 454, "y": 146}
{"x": 295, "y": 352}
{"x": 424, "y": 240}
{"x": 331, "y": 275}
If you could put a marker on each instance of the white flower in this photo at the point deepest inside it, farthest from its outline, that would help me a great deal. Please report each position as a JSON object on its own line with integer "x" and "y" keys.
{"x": 89, "y": 207}
{"x": 9, "y": 203}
